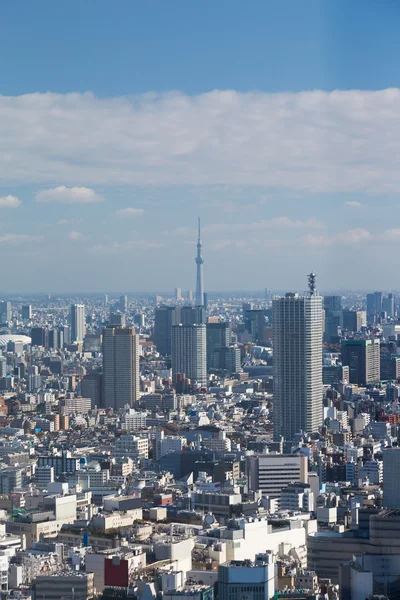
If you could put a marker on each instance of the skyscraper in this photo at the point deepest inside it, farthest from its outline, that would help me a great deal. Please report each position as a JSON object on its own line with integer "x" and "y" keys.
{"x": 5, "y": 311}
{"x": 391, "y": 479}
{"x": 218, "y": 336}
{"x": 165, "y": 317}
{"x": 199, "y": 278}
{"x": 123, "y": 304}
{"x": 363, "y": 359}
{"x": 120, "y": 367}
{"x": 77, "y": 320}
{"x": 188, "y": 352}
{"x": 297, "y": 383}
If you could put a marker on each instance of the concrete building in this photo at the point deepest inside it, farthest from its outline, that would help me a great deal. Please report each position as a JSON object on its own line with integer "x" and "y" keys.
{"x": 77, "y": 322}
{"x": 91, "y": 387}
{"x": 189, "y": 352}
{"x": 165, "y": 317}
{"x": 363, "y": 359}
{"x": 68, "y": 585}
{"x": 134, "y": 420}
{"x": 271, "y": 473}
{"x": 247, "y": 579}
{"x": 120, "y": 367}
{"x": 5, "y": 311}
{"x": 218, "y": 336}
{"x": 77, "y": 405}
{"x": 297, "y": 383}
{"x": 123, "y": 304}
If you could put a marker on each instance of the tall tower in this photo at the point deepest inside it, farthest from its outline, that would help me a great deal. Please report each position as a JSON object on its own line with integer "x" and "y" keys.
{"x": 189, "y": 351}
{"x": 77, "y": 322}
{"x": 297, "y": 332}
{"x": 199, "y": 278}
{"x": 120, "y": 367}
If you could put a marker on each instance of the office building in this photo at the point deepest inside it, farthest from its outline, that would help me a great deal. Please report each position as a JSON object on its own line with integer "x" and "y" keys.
{"x": 374, "y": 306}
{"x": 3, "y": 366}
{"x": 297, "y": 383}
{"x": 165, "y": 317}
{"x": 56, "y": 338}
{"x": 228, "y": 359}
{"x": 332, "y": 304}
{"x": 26, "y": 312}
{"x": 123, "y": 304}
{"x": 271, "y": 473}
{"x": 254, "y": 323}
{"x": 68, "y": 585}
{"x": 77, "y": 322}
{"x": 40, "y": 337}
{"x": 391, "y": 479}
{"x": 120, "y": 367}
{"x": 5, "y": 311}
{"x": 218, "y": 336}
{"x": 253, "y": 580}
{"x": 91, "y": 387}
{"x": 363, "y": 359}
{"x": 390, "y": 366}
{"x": 189, "y": 352}
{"x": 191, "y": 315}
{"x": 118, "y": 319}
{"x": 105, "y": 299}
{"x": 199, "y": 277}
{"x": 178, "y": 294}
{"x": 353, "y": 320}
{"x": 334, "y": 374}
{"x": 388, "y": 306}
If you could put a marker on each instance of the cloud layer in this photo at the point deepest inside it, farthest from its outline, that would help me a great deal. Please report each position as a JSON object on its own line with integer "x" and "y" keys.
{"x": 310, "y": 141}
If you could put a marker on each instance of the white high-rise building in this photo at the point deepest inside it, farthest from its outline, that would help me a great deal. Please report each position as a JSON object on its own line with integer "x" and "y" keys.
{"x": 297, "y": 384}
{"x": 5, "y": 311}
{"x": 120, "y": 367}
{"x": 189, "y": 351}
{"x": 77, "y": 320}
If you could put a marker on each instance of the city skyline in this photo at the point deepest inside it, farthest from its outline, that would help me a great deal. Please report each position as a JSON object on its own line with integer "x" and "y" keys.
{"x": 284, "y": 145}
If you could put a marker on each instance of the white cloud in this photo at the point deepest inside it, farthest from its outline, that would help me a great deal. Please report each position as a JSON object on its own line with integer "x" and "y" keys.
{"x": 353, "y": 204}
{"x": 349, "y": 237}
{"x": 340, "y": 141}
{"x": 118, "y": 247}
{"x": 9, "y": 201}
{"x": 75, "y": 235}
{"x": 17, "y": 238}
{"x": 130, "y": 212}
{"x": 65, "y": 195}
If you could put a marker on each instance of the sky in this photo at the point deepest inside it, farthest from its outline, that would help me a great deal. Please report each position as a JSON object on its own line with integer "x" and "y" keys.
{"x": 275, "y": 121}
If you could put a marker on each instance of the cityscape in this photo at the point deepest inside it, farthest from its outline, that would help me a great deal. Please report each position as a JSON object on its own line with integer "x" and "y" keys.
{"x": 199, "y": 300}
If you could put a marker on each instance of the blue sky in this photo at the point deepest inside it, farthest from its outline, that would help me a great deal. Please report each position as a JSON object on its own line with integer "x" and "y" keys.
{"x": 260, "y": 116}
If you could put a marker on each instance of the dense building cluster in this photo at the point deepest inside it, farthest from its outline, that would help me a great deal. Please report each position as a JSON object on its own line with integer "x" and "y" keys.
{"x": 245, "y": 447}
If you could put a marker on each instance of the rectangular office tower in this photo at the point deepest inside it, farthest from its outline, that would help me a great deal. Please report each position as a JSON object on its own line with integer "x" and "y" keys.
{"x": 77, "y": 321}
{"x": 363, "y": 357}
{"x": 297, "y": 384}
{"x": 120, "y": 367}
{"x": 188, "y": 352}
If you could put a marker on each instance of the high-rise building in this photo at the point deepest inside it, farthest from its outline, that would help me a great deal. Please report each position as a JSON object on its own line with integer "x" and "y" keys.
{"x": 297, "y": 383}
{"x": 178, "y": 294}
{"x": 240, "y": 579}
{"x": 363, "y": 359}
{"x": 390, "y": 366}
{"x": 218, "y": 336}
{"x": 40, "y": 336}
{"x": 388, "y": 305}
{"x": 118, "y": 318}
{"x": 105, "y": 299}
{"x": 352, "y": 320}
{"x": 5, "y": 311}
{"x": 391, "y": 479}
{"x": 77, "y": 322}
{"x": 26, "y": 312}
{"x": 199, "y": 278}
{"x": 190, "y": 315}
{"x": 165, "y": 317}
{"x": 271, "y": 473}
{"x": 228, "y": 359}
{"x": 332, "y": 303}
{"x": 189, "y": 352}
{"x": 123, "y": 304}
{"x": 254, "y": 322}
{"x": 91, "y": 387}
{"x": 374, "y": 305}
{"x": 120, "y": 367}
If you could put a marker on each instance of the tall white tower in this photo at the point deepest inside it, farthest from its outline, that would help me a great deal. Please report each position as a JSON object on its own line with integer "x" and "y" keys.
{"x": 297, "y": 383}
{"x": 199, "y": 278}
{"x": 77, "y": 320}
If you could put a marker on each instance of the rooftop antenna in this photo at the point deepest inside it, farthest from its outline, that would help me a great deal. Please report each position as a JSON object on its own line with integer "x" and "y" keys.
{"x": 312, "y": 278}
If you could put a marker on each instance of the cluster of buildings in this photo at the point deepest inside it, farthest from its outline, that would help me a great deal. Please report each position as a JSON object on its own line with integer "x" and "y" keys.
{"x": 227, "y": 447}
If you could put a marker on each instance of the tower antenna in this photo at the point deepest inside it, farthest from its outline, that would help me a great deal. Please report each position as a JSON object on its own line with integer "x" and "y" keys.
{"x": 312, "y": 283}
